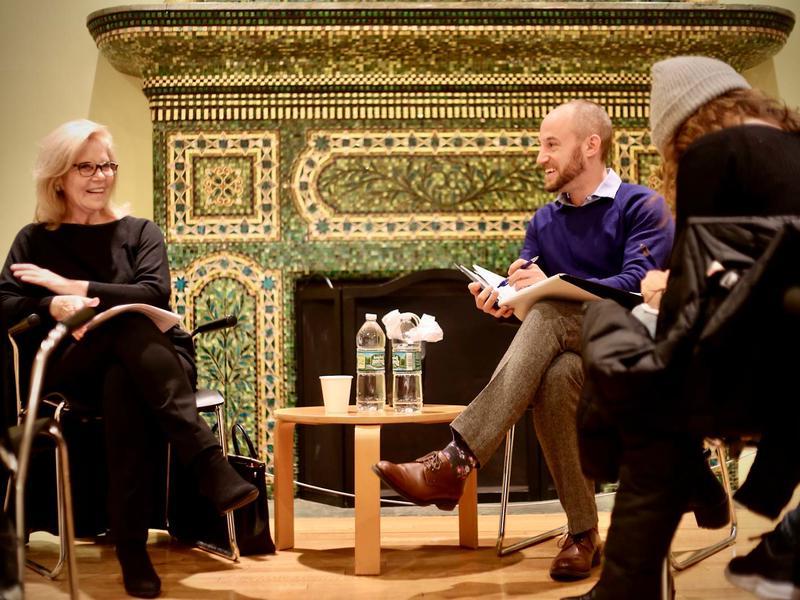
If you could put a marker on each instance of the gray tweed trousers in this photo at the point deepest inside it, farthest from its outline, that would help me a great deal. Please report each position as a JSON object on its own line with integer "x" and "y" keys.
{"x": 542, "y": 367}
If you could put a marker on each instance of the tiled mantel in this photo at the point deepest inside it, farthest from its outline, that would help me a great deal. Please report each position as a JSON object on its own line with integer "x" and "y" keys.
{"x": 374, "y": 138}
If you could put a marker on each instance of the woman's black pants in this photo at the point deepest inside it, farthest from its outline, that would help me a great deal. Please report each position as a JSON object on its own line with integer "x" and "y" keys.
{"x": 131, "y": 372}
{"x": 655, "y": 482}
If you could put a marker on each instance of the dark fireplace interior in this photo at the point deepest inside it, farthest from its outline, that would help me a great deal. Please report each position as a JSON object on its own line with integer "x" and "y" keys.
{"x": 328, "y": 316}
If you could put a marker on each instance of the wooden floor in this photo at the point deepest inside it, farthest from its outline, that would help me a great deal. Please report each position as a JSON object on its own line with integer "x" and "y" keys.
{"x": 420, "y": 558}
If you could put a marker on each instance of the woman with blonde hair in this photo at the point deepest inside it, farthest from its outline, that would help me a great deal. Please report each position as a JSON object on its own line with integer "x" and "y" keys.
{"x": 81, "y": 252}
{"x": 728, "y": 151}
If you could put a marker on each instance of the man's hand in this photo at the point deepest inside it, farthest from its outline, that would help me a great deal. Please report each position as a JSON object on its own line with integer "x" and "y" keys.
{"x": 35, "y": 275}
{"x": 653, "y": 286}
{"x": 62, "y": 307}
{"x": 521, "y": 278}
{"x": 485, "y": 299}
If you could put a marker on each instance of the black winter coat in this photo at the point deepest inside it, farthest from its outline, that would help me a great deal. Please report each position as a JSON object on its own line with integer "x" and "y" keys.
{"x": 724, "y": 351}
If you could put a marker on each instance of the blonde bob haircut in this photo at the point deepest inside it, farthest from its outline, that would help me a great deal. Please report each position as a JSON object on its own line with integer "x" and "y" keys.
{"x": 57, "y": 154}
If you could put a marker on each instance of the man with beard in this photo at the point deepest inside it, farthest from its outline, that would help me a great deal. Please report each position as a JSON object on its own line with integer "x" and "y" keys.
{"x": 597, "y": 228}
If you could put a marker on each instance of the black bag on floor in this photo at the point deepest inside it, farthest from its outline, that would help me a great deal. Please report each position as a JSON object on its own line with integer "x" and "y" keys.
{"x": 193, "y": 520}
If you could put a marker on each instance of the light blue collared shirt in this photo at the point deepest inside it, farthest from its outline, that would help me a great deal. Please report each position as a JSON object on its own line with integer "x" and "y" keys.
{"x": 608, "y": 188}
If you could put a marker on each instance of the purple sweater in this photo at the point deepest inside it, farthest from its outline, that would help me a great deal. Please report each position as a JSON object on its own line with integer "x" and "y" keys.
{"x": 613, "y": 241}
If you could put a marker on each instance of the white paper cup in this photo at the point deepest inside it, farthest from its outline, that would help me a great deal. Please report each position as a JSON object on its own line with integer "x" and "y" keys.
{"x": 336, "y": 392}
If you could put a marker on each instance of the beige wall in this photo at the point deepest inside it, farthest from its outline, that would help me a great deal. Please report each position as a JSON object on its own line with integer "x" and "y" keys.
{"x": 51, "y": 71}
{"x": 779, "y": 75}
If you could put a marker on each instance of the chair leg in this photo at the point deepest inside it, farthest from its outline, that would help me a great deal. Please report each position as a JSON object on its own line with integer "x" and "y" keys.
{"x": 698, "y": 555}
{"x": 506, "y": 487}
{"x": 233, "y": 552}
{"x": 66, "y": 524}
{"x": 667, "y": 583}
{"x": 62, "y": 539}
{"x": 60, "y": 498}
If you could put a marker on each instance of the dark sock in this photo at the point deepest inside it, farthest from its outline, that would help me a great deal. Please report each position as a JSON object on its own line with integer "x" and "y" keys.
{"x": 460, "y": 457}
{"x": 138, "y": 574}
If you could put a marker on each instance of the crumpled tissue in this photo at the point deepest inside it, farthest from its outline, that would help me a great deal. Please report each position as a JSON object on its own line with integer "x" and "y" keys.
{"x": 426, "y": 329}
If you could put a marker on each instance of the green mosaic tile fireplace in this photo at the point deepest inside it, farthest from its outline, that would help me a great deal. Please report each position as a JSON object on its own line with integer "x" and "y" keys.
{"x": 371, "y": 139}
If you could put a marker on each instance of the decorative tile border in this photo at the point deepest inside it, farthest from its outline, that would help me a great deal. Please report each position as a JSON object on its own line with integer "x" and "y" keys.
{"x": 433, "y": 102}
{"x": 635, "y": 157}
{"x": 206, "y": 289}
{"x": 222, "y": 186}
{"x": 388, "y": 39}
{"x": 371, "y": 14}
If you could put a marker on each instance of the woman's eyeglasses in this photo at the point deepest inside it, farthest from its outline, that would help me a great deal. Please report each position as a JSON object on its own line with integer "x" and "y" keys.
{"x": 88, "y": 169}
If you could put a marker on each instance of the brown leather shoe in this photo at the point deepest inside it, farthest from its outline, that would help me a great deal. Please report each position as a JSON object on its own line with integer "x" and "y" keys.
{"x": 428, "y": 480}
{"x": 579, "y": 553}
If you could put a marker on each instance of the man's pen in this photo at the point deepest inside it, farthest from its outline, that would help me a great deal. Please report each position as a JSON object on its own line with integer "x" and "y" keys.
{"x": 525, "y": 266}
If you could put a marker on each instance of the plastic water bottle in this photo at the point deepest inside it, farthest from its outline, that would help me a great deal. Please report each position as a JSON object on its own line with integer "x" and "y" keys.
{"x": 407, "y": 369}
{"x": 370, "y": 366}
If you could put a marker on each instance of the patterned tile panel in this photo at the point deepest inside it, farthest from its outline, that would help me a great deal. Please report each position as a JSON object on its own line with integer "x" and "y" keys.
{"x": 244, "y": 363}
{"x": 222, "y": 186}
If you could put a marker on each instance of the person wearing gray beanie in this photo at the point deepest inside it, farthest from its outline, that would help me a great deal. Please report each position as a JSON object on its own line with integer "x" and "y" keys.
{"x": 680, "y": 86}
{"x": 727, "y": 151}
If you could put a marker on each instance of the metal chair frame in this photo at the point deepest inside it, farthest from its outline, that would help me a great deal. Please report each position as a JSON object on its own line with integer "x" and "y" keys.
{"x": 208, "y": 401}
{"x": 506, "y": 487}
{"x": 696, "y": 556}
{"x": 64, "y": 485}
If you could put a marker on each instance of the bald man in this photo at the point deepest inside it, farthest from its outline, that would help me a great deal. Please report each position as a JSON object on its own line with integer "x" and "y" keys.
{"x": 597, "y": 228}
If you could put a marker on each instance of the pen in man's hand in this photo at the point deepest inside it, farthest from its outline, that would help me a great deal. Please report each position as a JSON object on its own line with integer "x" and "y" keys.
{"x": 527, "y": 264}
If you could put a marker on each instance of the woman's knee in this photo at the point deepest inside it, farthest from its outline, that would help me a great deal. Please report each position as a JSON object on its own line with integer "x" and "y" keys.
{"x": 128, "y": 330}
{"x": 129, "y": 322}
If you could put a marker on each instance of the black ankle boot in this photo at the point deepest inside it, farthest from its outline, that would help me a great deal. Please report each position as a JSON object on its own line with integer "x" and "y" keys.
{"x": 138, "y": 574}
{"x": 220, "y": 483}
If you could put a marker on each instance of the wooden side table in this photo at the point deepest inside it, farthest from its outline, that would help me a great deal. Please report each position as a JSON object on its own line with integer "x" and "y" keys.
{"x": 367, "y": 485}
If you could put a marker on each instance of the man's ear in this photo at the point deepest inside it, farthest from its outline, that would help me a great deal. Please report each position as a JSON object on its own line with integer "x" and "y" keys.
{"x": 592, "y": 145}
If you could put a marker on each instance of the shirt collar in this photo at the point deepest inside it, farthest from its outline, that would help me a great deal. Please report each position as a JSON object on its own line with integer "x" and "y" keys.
{"x": 608, "y": 188}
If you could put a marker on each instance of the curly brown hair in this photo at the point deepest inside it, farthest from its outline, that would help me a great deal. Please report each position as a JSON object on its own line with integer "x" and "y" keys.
{"x": 728, "y": 110}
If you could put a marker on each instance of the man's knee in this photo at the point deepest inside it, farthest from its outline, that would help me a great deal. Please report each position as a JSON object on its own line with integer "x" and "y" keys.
{"x": 566, "y": 370}
{"x": 547, "y": 311}
{"x": 562, "y": 383}
{"x": 562, "y": 319}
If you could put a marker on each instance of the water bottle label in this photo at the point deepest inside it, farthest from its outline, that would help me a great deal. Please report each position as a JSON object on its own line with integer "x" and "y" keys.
{"x": 370, "y": 361}
{"x": 406, "y": 362}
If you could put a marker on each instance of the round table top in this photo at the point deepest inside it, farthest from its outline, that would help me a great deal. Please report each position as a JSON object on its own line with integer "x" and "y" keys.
{"x": 311, "y": 415}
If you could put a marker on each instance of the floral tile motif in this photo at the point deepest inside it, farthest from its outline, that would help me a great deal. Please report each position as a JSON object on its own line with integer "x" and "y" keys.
{"x": 245, "y": 363}
{"x": 222, "y": 186}
{"x": 417, "y": 184}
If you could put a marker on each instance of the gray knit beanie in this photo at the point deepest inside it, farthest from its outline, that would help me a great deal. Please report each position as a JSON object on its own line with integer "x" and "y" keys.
{"x": 680, "y": 86}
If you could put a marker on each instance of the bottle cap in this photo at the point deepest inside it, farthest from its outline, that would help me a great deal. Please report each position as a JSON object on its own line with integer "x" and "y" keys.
{"x": 372, "y": 317}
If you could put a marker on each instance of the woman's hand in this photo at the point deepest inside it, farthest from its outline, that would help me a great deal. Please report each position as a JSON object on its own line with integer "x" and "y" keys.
{"x": 35, "y": 275}
{"x": 653, "y": 286}
{"x": 62, "y": 307}
{"x": 485, "y": 299}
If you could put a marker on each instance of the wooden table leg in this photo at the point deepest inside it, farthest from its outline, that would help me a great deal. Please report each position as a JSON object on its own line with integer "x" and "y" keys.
{"x": 282, "y": 485}
{"x": 368, "y": 500}
{"x": 468, "y": 513}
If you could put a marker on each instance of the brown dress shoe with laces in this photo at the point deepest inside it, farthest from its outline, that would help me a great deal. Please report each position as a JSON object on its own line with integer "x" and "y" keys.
{"x": 428, "y": 480}
{"x": 579, "y": 553}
